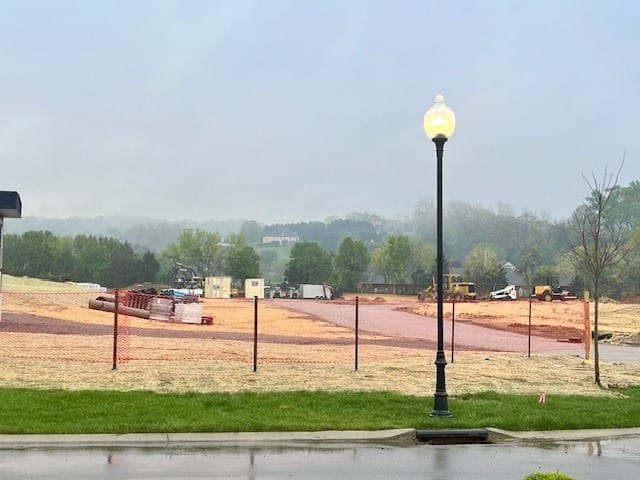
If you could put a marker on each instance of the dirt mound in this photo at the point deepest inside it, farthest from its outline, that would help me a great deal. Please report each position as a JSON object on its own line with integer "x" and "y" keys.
{"x": 632, "y": 339}
{"x": 361, "y": 300}
{"x": 632, "y": 298}
{"x": 560, "y": 333}
{"x": 610, "y": 300}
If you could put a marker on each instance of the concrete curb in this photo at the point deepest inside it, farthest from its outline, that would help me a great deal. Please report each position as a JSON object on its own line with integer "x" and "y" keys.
{"x": 497, "y": 435}
{"x": 395, "y": 437}
{"x": 167, "y": 440}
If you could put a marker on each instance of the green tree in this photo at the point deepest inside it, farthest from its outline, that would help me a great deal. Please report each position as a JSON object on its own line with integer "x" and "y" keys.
{"x": 483, "y": 266}
{"x": 241, "y": 260}
{"x": 624, "y": 204}
{"x": 122, "y": 268}
{"x": 545, "y": 274}
{"x": 268, "y": 257}
{"x": 423, "y": 261}
{"x": 198, "y": 249}
{"x": 529, "y": 260}
{"x": 13, "y": 255}
{"x": 251, "y": 231}
{"x": 424, "y": 219}
{"x": 393, "y": 259}
{"x": 567, "y": 272}
{"x": 466, "y": 226}
{"x": 380, "y": 262}
{"x": 32, "y": 254}
{"x": 84, "y": 258}
{"x": 91, "y": 259}
{"x": 65, "y": 260}
{"x": 270, "y": 266}
{"x": 106, "y": 261}
{"x": 149, "y": 267}
{"x": 352, "y": 262}
{"x": 309, "y": 263}
{"x": 631, "y": 273}
{"x": 399, "y": 253}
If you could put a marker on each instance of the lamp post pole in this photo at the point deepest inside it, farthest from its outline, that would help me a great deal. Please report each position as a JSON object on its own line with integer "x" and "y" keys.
{"x": 439, "y": 124}
{"x": 440, "y": 404}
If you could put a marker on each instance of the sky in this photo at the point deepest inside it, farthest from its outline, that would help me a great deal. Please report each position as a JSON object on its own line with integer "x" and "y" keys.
{"x": 297, "y": 110}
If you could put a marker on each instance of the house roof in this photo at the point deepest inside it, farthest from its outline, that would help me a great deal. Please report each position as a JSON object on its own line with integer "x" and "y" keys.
{"x": 513, "y": 276}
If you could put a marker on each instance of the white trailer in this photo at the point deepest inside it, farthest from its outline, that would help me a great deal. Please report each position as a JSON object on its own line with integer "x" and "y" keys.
{"x": 217, "y": 287}
{"x": 318, "y": 292}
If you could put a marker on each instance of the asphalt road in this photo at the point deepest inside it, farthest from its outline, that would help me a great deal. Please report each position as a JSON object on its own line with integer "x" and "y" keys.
{"x": 384, "y": 319}
{"x": 591, "y": 460}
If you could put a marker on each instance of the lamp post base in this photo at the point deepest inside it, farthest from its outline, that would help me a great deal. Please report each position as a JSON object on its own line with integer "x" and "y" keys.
{"x": 440, "y": 397}
{"x": 440, "y": 407}
{"x": 440, "y": 413}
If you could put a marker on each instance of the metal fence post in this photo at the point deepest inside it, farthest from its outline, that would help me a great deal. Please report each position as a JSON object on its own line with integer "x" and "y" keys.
{"x": 356, "y": 344}
{"x": 587, "y": 327}
{"x": 115, "y": 331}
{"x": 453, "y": 326}
{"x": 255, "y": 333}
{"x": 529, "y": 347}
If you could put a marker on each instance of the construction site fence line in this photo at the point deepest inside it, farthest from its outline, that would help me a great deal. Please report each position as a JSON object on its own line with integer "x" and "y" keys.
{"x": 122, "y": 326}
{"x": 86, "y": 326}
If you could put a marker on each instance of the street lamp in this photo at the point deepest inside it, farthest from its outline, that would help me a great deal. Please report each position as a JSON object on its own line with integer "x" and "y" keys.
{"x": 439, "y": 124}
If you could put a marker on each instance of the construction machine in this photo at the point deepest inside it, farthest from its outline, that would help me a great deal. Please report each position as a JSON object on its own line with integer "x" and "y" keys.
{"x": 452, "y": 287}
{"x": 507, "y": 293}
{"x": 549, "y": 293}
{"x": 184, "y": 277}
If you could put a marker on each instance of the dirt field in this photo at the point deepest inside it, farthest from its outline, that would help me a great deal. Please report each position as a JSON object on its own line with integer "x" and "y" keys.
{"x": 385, "y": 367}
{"x": 552, "y": 319}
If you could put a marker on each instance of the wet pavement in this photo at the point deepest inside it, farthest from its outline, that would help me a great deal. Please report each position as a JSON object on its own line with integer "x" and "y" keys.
{"x": 608, "y": 353}
{"x": 584, "y": 455}
{"x": 597, "y": 459}
{"x": 618, "y": 353}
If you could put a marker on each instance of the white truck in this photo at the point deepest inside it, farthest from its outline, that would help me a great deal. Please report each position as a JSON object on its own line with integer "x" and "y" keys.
{"x": 318, "y": 292}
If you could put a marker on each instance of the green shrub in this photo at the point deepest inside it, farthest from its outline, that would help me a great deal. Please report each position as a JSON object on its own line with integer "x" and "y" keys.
{"x": 548, "y": 476}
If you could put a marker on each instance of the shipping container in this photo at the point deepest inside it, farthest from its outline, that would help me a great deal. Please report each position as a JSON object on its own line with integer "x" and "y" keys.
{"x": 217, "y": 287}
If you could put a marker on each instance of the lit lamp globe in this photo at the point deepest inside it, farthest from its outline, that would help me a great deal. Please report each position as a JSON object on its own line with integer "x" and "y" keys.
{"x": 439, "y": 121}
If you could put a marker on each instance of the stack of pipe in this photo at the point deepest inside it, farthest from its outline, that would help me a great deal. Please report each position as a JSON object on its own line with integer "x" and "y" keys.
{"x": 106, "y": 305}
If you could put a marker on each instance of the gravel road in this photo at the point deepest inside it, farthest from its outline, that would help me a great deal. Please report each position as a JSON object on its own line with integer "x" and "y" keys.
{"x": 385, "y": 319}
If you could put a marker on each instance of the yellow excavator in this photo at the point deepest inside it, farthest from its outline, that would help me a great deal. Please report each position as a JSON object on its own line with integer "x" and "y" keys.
{"x": 452, "y": 287}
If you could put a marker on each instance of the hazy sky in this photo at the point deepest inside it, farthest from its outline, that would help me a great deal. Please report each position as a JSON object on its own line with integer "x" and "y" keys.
{"x": 282, "y": 111}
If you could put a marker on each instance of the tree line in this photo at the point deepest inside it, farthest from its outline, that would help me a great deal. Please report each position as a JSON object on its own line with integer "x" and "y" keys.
{"x": 115, "y": 264}
{"x": 344, "y": 252}
{"x": 82, "y": 258}
{"x": 112, "y": 263}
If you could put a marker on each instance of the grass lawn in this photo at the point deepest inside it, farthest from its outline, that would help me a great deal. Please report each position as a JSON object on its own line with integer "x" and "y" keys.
{"x": 30, "y": 285}
{"x": 29, "y": 411}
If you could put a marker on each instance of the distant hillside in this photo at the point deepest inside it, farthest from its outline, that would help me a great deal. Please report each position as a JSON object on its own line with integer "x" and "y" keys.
{"x": 155, "y": 234}
{"x": 151, "y": 233}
